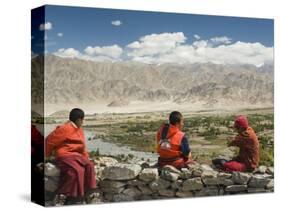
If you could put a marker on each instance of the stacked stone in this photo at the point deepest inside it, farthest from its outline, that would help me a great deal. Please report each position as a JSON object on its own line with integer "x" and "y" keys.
{"x": 129, "y": 182}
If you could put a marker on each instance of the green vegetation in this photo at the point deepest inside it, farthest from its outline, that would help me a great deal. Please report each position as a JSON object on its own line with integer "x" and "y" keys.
{"x": 207, "y": 133}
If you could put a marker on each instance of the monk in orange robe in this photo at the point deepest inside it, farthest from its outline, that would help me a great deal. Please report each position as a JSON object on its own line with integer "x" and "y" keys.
{"x": 68, "y": 144}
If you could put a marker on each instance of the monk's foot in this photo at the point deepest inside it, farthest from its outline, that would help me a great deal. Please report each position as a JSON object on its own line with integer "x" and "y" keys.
{"x": 59, "y": 200}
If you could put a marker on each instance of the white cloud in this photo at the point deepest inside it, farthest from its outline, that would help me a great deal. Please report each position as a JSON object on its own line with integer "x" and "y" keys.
{"x": 113, "y": 51}
{"x": 45, "y": 26}
{"x": 69, "y": 52}
{"x": 200, "y": 43}
{"x": 154, "y": 44}
{"x": 221, "y": 40}
{"x": 197, "y": 37}
{"x": 60, "y": 34}
{"x": 116, "y": 22}
{"x": 172, "y": 48}
{"x": 104, "y": 53}
{"x": 202, "y": 52}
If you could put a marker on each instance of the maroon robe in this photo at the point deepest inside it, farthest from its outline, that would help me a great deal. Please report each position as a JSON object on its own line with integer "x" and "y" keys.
{"x": 77, "y": 175}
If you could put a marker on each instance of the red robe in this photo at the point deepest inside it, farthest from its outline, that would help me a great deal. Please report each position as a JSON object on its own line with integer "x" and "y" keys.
{"x": 248, "y": 144}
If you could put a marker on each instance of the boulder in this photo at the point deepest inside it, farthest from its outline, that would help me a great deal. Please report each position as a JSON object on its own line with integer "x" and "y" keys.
{"x": 121, "y": 172}
{"x": 225, "y": 179}
{"x": 259, "y": 181}
{"x": 270, "y": 184}
{"x": 114, "y": 187}
{"x": 167, "y": 175}
{"x": 132, "y": 192}
{"x": 184, "y": 194}
{"x": 176, "y": 185}
{"x": 167, "y": 192}
{"x": 148, "y": 174}
{"x": 171, "y": 169}
{"x": 270, "y": 170}
{"x": 236, "y": 188}
{"x": 105, "y": 161}
{"x": 145, "y": 190}
{"x": 208, "y": 191}
{"x": 256, "y": 190}
{"x": 261, "y": 169}
{"x": 159, "y": 184}
{"x": 51, "y": 170}
{"x": 185, "y": 174}
{"x": 136, "y": 182}
{"x": 209, "y": 177}
{"x": 192, "y": 184}
{"x": 240, "y": 178}
{"x": 51, "y": 184}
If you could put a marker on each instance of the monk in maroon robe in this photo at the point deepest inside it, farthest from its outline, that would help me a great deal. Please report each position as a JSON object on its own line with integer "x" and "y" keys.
{"x": 77, "y": 176}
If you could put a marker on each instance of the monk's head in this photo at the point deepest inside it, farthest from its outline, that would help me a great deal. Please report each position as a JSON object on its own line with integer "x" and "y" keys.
{"x": 176, "y": 119}
{"x": 76, "y": 115}
{"x": 241, "y": 123}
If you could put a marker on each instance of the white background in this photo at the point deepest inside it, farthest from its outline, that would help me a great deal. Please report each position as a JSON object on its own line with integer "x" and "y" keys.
{"x": 15, "y": 103}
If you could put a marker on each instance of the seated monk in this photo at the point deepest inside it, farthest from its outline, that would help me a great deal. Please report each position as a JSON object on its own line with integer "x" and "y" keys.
{"x": 77, "y": 177}
{"x": 172, "y": 145}
{"x": 247, "y": 141}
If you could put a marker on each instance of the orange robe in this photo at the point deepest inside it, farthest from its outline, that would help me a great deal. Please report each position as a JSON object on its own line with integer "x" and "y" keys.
{"x": 66, "y": 139}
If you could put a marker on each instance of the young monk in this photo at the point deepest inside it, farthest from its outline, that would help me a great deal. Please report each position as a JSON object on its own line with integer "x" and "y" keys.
{"x": 172, "y": 145}
{"x": 77, "y": 175}
{"x": 248, "y": 143}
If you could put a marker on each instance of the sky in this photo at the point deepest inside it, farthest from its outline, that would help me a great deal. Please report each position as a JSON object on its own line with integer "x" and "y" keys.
{"x": 152, "y": 37}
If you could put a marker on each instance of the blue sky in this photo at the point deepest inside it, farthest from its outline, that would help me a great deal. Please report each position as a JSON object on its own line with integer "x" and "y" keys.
{"x": 78, "y": 28}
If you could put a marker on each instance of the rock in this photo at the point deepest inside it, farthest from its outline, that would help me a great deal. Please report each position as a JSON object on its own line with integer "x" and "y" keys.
{"x": 261, "y": 169}
{"x": 240, "y": 178}
{"x": 132, "y": 192}
{"x": 256, "y": 190}
{"x": 96, "y": 197}
{"x": 51, "y": 170}
{"x": 192, "y": 184}
{"x": 171, "y": 169}
{"x": 208, "y": 191}
{"x": 209, "y": 177}
{"x": 109, "y": 186}
{"x": 270, "y": 170}
{"x": 51, "y": 184}
{"x": 121, "y": 172}
{"x": 167, "y": 175}
{"x": 259, "y": 181}
{"x": 185, "y": 174}
{"x": 167, "y": 192}
{"x": 205, "y": 167}
{"x": 236, "y": 188}
{"x": 105, "y": 161}
{"x": 270, "y": 184}
{"x": 121, "y": 198}
{"x": 184, "y": 194}
{"x": 223, "y": 175}
{"x": 159, "y": 184}
{"x": 145, "y": 190}
{"x": 225, "y": 179}
{"x": 136, "y": 182}
{"x": 148, "y": 174}
{"x": 177, "y": 184}
{"x": 225, "y": 182}
{"x": 197, "y": 173}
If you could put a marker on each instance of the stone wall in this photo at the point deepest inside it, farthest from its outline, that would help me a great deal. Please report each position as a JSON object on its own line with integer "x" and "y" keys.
{"x": 143, "y": 181}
